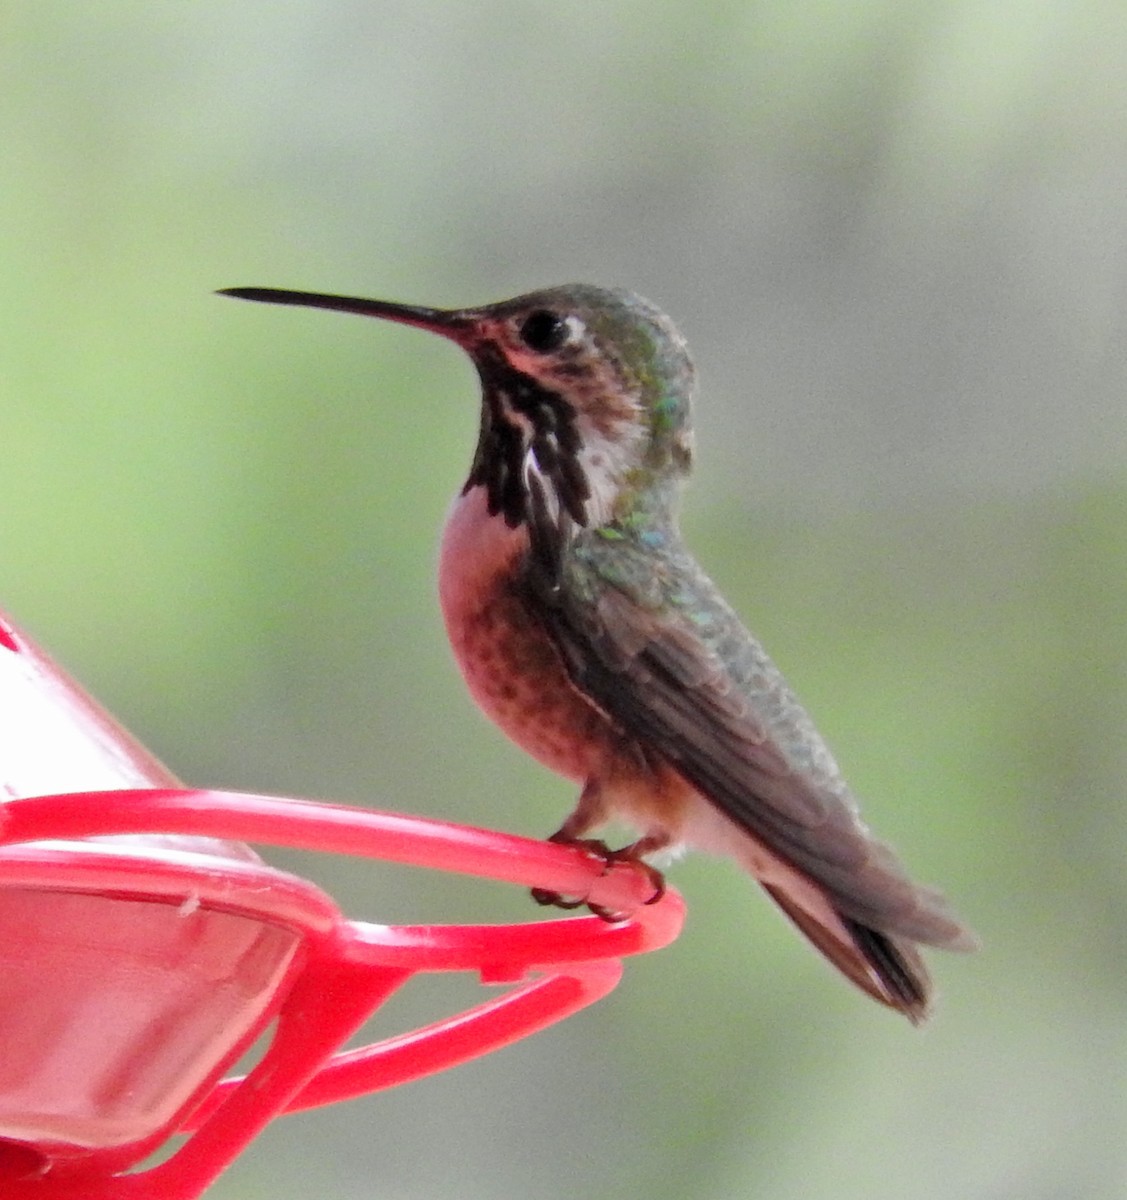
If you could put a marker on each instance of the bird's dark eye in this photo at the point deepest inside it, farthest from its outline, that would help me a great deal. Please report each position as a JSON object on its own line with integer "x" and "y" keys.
{"x": 543, "y": 331}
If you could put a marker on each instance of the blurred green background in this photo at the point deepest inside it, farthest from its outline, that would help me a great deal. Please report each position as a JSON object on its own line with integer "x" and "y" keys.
{"x": 895, "y": 235}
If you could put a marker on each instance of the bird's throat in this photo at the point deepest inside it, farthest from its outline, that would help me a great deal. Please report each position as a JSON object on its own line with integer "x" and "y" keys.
{"x": 529, "y": 435}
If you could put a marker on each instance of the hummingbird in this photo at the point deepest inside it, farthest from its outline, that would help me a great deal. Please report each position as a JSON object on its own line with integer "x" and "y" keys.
{"x": 586, "y": 630}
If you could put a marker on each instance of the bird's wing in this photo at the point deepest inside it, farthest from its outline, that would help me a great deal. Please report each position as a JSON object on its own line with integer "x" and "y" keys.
{"x": 645, "y": 633}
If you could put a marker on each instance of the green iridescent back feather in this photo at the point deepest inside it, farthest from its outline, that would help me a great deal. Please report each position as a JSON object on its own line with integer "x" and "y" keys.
{"x": 646, "y": 634}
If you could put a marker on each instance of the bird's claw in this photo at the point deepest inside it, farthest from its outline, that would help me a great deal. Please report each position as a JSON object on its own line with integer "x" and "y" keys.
{"x": 554, "y": 899}
{"x": 609, "y": 857}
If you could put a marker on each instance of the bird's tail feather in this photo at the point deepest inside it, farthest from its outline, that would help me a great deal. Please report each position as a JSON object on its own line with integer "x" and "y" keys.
{"x": 888, "y": 969}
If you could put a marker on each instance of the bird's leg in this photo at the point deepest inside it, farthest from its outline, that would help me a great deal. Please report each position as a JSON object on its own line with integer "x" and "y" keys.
{"x": 589, "y": 812}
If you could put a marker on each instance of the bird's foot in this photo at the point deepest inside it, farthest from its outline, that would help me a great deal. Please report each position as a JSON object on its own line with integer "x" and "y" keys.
{"x": 593, "y": 846}
{"x": 628, "y": 854}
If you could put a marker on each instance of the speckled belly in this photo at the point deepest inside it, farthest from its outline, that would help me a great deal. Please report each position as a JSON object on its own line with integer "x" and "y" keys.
{"x": 517, "y": 678}
{"x": 511, "y": 668}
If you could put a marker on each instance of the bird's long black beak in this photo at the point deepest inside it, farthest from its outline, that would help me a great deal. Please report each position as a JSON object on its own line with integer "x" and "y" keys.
{"x": 455, "y": 324}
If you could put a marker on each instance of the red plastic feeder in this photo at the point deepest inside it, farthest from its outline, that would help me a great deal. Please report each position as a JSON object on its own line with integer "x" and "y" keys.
{"x": 135, "y": 969}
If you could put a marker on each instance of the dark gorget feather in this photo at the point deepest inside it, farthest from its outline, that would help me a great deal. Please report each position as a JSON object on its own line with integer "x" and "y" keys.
{"x": 518, "y": 459}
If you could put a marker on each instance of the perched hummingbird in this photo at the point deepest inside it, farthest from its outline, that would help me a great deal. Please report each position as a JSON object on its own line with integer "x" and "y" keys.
{"x": 586, "y": 630}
